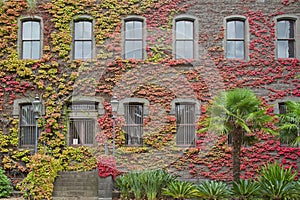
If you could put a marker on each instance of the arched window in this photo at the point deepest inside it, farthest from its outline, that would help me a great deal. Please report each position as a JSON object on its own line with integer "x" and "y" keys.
{"x": 31, "y": 38}
{"x": 235, "y": 38}
{"x": 134, "y": 38}
{"x": 184, "y": 38}
{"x": 83, "y": 39}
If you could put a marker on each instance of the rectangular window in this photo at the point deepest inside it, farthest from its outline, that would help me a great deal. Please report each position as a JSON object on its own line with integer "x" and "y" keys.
{"x": 82, "y": 131}
{"x": 286, "y": 39}
{"x": 31, "y": 40}
{"x": 134, "y": 116}
{"x": 184, "y": 39}
{"x": 83, "y": 40}
{"x": 235, "y": 39}
{"x": 134, "y": 39}
{"x": 185, "y": 119}
{"x": 27, "y": 126}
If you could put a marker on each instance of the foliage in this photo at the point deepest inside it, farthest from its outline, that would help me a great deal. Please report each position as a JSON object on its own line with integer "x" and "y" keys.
{"x": 245, "y": 189}
{"x": 213, "y": 190}
{"x": 290, "y": 123}
{"x": 107, "y": 166}
{"x": 180, "y": 190}
{"x": 39, "y": 182}
{"x": 5, "y": 187}
{"x": 237, "y": 112}
{"x": 276, "y": 182}
{"x": 143, "y": 184}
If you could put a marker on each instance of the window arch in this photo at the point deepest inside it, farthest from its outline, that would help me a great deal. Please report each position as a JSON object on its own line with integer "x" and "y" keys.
{"x": 236, "y": 36}
{"x": 287, "y": 29}
{"x": 184, "y": 46}
{"x": 134, "y": 37}
{"x": 30, "y": 37}
{"x": 83, "y": 38}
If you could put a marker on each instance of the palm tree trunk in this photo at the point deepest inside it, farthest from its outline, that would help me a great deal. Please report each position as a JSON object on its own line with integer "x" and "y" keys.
{"x": 237, "y": 136}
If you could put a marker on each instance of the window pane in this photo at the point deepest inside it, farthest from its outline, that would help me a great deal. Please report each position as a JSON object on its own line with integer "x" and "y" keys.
{"x": 87, "y": 50}
{"x": 78, "y": 30}
{"x": 189, "y": 33}
{"x": 26, "y": 53}
{"x": 35, "y": 34}
{"x": 134, "y": 30}
{"x": 26, "y": 31}
{"x": 184, "y": 49}
{"x": 282, "y": 49}
{"x": 184, "y": 30}
{"x": 285, "y": 29}
{"x": 78, "y": 50}
{"x": 230, "y": 31}
{"x": 35, "y": 51}
{"x": 179, "y": 30}
{"x": 133, "y": 49}
{"x": 239, "y": 29}
{"x": 82, "y": 131}
{"x": 239, "y": 51}
{"x": 27, "y": 126}
{"x": 185, "y": 120}
{"x": 87, "y": 34}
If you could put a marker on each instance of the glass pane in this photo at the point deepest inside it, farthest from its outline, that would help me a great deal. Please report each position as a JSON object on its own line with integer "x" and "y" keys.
{"x": 78, "y": 31}
{"x": 239, "y": 49}
{"x": 35, "y": 50}
{"x": 184, "y": 49}
{"x": 239, "y": 29}
{"x": 230, "y": 49}
{"x": 189, "y": 27}
{"x": 282, "y": 49}
{"x": 134, "y": 30}
{"x": 87, "y": 50}
{"x": 35, "y": 30}
{"x": 230, "y": 31}
{"x": 291, "y": 48}
{"x": 78, "y": 50}
{"x": 283, "y": 29}
{"x": 26, "y": 30}
{"x": 26, "y": 53}
{"x": 180, "y": 33}
{"x": 133, "y": 49}
{"x": 87, "y": 28}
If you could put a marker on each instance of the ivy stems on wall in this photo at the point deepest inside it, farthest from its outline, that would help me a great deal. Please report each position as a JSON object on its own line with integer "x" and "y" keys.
{"x": 57, "y": 78}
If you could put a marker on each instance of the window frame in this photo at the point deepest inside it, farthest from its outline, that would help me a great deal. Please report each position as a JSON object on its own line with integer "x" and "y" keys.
{"x": 134, "y": 18}
{"x": 187, "y": 18}
{"x": 78, "y": 19}
{"x": 21, "y": 22}
{"x": 296, "y": 39}
{"x": 32, "y": 125}
{"x": 189, "y": 142}
{"x": 137, "y": 123}
{"x": 243, "y": 19}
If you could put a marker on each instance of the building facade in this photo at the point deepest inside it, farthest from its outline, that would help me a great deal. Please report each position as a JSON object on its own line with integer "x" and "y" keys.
{"x": 163, "y": 60}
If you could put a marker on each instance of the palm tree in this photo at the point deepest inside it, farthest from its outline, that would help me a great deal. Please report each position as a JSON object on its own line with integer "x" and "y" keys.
{"x": 290, "y": 123}
{"x": 237, "y": 112}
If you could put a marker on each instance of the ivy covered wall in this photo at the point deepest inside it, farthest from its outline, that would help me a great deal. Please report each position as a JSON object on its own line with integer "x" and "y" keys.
{"x": 160, "y": 79}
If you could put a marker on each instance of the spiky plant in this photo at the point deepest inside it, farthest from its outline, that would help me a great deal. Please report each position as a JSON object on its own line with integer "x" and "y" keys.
{"x": 213, "y": 190}
{"x": 244, "y": 189}
{"x": 180, "y": 190}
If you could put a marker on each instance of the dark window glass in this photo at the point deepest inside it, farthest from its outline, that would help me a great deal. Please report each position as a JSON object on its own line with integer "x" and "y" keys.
{"x": 31, "y": 40}
{"x": 286, "y": 39}
{"x": 235, "y": 39}
{"x": 27, "y": 126}
{"x": 185, "y": 119}
{"x": 134, "y": 116}
{"x": 134, "y": 39}
{"x": 83, "y": 44}
{"x": 184, "y": 39}
{"x": 82, "y": 131}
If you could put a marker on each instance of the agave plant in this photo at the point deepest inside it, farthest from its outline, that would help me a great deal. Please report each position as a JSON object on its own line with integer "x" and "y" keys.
{"x": 213, "y": 190}
{"x": 180, "y": 190}
{"x": 276, "y": 182}
{"x": 244, "y": 189}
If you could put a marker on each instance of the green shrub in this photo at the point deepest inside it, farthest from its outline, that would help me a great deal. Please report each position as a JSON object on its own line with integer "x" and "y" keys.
{"x": 143, "y": 185}
{"x": 39, "y": 182}
{"x": 180, "y": 190}
{"x": 5, "y": 187}
{"x": 278, "y": 183}
{"x": 213, "y": 190}
{"x": 244, "y": 189}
